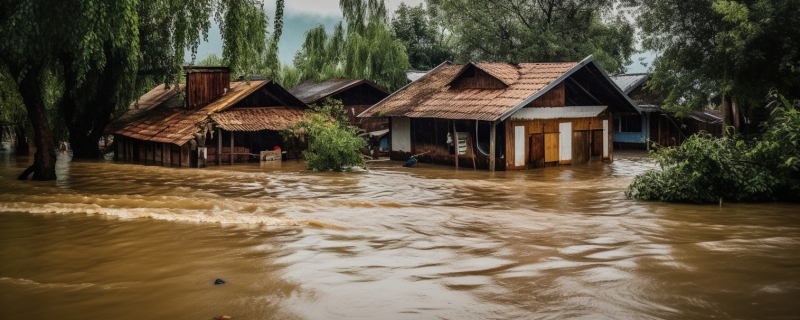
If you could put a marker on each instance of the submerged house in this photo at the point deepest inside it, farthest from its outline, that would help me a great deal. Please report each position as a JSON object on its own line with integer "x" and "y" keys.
{"x": 653, "y": 125}
{"x": 634, "y": 130}
{"x": 355, "y": 95}
{"x": 500, "y": 116}
{"x": 218, "y": 121}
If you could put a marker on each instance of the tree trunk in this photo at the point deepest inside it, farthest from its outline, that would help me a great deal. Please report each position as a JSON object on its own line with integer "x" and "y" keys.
{"x": 731, "y": 115}
{"x": 44, "y": 160}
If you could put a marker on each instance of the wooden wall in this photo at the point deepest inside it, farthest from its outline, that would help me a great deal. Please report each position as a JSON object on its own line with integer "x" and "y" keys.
{"x": 204, "y": 87}
{"x": 475, "y": 78}
{"x": 151, "y": 153}
{"x": 556, "y": 97}
{"x": 542, "y": 141}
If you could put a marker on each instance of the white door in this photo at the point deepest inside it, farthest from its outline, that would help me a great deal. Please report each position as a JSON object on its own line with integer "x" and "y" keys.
{"x": 519, "y": 146}
{"x": 401, "y": 134}
{"x": 605, "y": 138}
{"x": 565, "y": 141}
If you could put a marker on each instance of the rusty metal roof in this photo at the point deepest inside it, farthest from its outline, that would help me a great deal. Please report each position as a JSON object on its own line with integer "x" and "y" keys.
{"x": 310, "y": 93}
{"x": 164, "y": 118}
{"x": 257, "y": 119}
{"x": 430, "y": 96}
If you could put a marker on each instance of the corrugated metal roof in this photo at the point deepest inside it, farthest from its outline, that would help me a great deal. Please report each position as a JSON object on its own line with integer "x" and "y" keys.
{"x": 316, "y": 92}
{"x": 257, "y": 119}
{"x": 709, "y": 116}
{"x": 629, "y": 82}
{"x": 167, "y": 121}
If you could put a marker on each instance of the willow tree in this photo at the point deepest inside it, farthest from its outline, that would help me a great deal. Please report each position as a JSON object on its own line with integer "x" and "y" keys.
{"x": 365, "y": 48}
{"x": 733, "y": 52}
{"x": 111, "y": 50}
{"x": 537, "y": 31}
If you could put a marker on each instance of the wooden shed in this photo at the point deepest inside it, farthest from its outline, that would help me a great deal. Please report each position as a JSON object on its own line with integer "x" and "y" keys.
{"x": 218, "y": 121}
{"x": 501, "y": 116}
{"x": 356, "y": 96}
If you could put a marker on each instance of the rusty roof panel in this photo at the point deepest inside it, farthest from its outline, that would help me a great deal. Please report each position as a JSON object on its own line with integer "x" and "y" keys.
{"x": 431, "y": 97}
{"x": 272, "y": 118}
{"x": 162, "y": 122}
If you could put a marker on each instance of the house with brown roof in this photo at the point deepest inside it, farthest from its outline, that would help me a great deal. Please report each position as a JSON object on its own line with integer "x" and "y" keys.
{"x": 356, "y": 96}
{"x": 501, "y": 116}
{"x": 208, "y": 120}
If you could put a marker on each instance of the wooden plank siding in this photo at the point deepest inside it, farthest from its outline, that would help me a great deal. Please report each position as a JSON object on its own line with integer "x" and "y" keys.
{"x": 586, "y": 141}
{"x": 555, "y": 97}
{"x": 474, "y": 78}
{"x": 202, "y": 87}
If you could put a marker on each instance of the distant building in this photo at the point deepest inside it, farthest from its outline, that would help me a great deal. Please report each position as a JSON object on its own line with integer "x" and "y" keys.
{"x": 501, "y": 116}
{"x": 355, "y": 95}
{"x": 653, "y": 125}
{"x": 218, "y": 121}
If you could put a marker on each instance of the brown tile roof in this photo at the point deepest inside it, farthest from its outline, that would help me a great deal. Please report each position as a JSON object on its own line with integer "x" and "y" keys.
{"x": 257, "y": 119}
{"x": 430, "y": 97}
{"x": 165, "y": 119}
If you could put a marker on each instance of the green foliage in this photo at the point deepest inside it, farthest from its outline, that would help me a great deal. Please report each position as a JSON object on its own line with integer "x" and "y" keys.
{"x": 711, "y": 48}
{"x": 242, "y": 47}
{"x": 332, "y": 145}
{"x": 536, "y": 31}
{"x": 421, "y": 32}
{"x": 705, "y": 169}
{"x": 365, "y": 49}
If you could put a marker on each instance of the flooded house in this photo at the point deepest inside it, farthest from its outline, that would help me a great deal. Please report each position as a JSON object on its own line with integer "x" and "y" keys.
{"x": 637, "y": 131}
{"x": 208, "y": 120}
{"x": 356, "y": 96}
{"x": 634, "y": 130}
{"x": 501, "y": 116}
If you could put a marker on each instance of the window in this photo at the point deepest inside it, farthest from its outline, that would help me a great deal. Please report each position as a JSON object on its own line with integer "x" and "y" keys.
{"x": 628, "y": 123}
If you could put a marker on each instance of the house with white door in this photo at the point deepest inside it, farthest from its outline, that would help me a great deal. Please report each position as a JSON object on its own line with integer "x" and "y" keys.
{"x": 501, "y": 116}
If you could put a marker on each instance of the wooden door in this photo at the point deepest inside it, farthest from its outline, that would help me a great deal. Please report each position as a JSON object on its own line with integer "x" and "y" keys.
{"x": 536, "y": 147}
{"x": 580, "y": 147}
{"x": 551, "y": 147}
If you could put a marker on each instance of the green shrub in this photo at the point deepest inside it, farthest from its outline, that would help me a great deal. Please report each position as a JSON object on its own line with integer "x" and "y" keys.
{"x": 705, "y": 169}
{"x": 332, "y": 145}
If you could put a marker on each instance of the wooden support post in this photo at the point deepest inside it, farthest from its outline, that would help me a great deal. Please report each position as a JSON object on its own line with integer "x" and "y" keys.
{"x": 232, "y": 147}
{"x": 455, "y": 143}
{"x": 492, "y": 138}
{"x": 219, "y": 146}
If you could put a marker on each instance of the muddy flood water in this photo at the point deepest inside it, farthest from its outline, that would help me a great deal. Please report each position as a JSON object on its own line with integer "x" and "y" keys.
{"x": 122, "y": 241}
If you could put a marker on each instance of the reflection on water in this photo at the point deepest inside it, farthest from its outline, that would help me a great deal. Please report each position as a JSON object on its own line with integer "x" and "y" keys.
{"x": 110, "y": 240}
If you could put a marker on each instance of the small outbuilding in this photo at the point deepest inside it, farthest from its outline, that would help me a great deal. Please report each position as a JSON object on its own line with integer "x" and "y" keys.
{"x": 208, "y": 120}
{"x": 355, "y": 95}
{"x": 501, "y": 116}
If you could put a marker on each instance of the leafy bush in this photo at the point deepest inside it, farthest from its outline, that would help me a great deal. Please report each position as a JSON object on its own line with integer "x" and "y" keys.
{"x": 706, "y": 169}
{"x": 332, "y": 145}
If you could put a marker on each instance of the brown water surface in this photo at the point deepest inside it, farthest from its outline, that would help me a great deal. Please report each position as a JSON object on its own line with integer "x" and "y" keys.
{"x": 122, "y": 241}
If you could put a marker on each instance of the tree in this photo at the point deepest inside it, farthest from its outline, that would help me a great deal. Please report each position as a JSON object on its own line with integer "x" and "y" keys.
{"x": 537, "y": 31}
{"x": 365, "y": 49}
{"x": 109, "y": 53}
{"x": 731, "y": 51}
{"x": 705, "y": 169}
{"x": 423, "y": 36}
{"x": 333, "y": 144}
